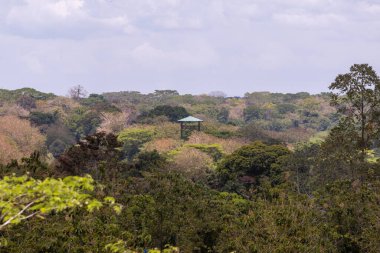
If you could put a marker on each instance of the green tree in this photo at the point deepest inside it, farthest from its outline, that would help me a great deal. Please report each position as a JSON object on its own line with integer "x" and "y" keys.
{"x": 98, "y": 103}
{"x": 173, "y": 113}
{"x": 286, "y": 108}
{"x": 250, "y": 163}
{"x": 23, "y": 197}
{"x": 350, "y": 212}
{"x": 253, "y": 112}
{"x": 357, "y": 94}
{"x": 83, "y": 122}
{"x": 133, "y": 139}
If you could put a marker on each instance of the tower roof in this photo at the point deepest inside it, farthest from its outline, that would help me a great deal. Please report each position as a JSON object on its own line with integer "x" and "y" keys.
{"x": 190, "y": 119}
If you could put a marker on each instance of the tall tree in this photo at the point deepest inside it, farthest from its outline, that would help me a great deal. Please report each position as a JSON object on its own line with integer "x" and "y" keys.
{"x": 357, "y": 95}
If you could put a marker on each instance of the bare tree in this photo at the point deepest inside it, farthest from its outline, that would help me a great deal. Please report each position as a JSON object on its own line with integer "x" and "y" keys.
{"x": 77, "y": 92}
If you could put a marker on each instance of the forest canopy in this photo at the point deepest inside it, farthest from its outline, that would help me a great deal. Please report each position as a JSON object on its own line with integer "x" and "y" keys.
{"x": 266, "y": 172}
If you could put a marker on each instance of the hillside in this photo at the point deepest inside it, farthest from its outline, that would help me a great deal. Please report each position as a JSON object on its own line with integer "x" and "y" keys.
{"x": 285, "y": 118}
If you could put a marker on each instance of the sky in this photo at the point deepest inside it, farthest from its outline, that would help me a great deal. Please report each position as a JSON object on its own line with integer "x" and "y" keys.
{"x": 193, "y": 46}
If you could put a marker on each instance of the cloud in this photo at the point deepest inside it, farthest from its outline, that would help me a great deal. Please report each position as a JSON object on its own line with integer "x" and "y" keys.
{"x": 62, "y": 18}
{"x": 190, "y": 45}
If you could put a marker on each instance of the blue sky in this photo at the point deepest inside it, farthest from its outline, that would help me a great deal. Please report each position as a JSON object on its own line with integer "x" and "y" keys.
{"x": 193, "y": 46}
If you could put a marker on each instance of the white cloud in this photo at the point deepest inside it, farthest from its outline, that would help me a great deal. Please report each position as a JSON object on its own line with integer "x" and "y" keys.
{"x": 61, "y": 18}
{"x": 223, "y": 44}
{"x": 40, "y": 11}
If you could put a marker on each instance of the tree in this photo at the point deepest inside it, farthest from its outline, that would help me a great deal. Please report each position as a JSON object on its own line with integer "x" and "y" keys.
{"x": 87, "y": 156}
{"x": 133, "y": 139}
{"x": 77, "y": 92}
{"x": 99, "y": 103}
{"x": 250, "y": 163}
{"x": 83, "y": 122}
{"x": 253, "y": 113}
{"x": 286, "y": 108}
{"x": 357, "y": 94}
{"x": 42, "y": 118}
{"x": 173, "y": 113}
{"x": 20, "y": 137}
{"x": 59, "y": 138}
{"x": 23, "y": 197}
{"x": 223, "y": 115}
{"x": 27, "y": 102}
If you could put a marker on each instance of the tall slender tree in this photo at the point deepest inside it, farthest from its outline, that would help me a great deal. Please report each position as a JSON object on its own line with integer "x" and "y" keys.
{"x": 357, "y": 96}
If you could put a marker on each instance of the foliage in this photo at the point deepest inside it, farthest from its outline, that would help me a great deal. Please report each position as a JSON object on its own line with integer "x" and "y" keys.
{"x": 192, "y": 163}
{"x": 115, "y": 122}
{"x": 27, "y": 102}
{"x": 320, "y": 197}
{"x": 14, "y": 95}
{"x": 173, "y": 113}
{"x": 24, "y": 197}
{"x": 286, "y": 108}
{"x": 86, "y": 155}
{"x": 58, "y": 139}
{"x": 18, "y": 138}
{"x": 250, "y": 163}
{"x": 351, "y": 209}
{"x": 83, "y": 122}
{"x": 98, "y": 103}
{"x": 120, "y": 247}
{"x": 33, "y": 166}
{"x": 133, "y": 139}
{"x": 357, "y": 94}
{"x": 223, "y": 115}
{"x": 253, "y": 113}
{"x": 253, "y": 132}
{"x": 41, "y": 118}
{"x": 286, "y": 223}
{"x": 214, "y": 150}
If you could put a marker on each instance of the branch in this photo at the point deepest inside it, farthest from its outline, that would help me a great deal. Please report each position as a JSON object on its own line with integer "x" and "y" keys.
{"x": 30, "y": 215}
{"x": 15, "y": 216}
